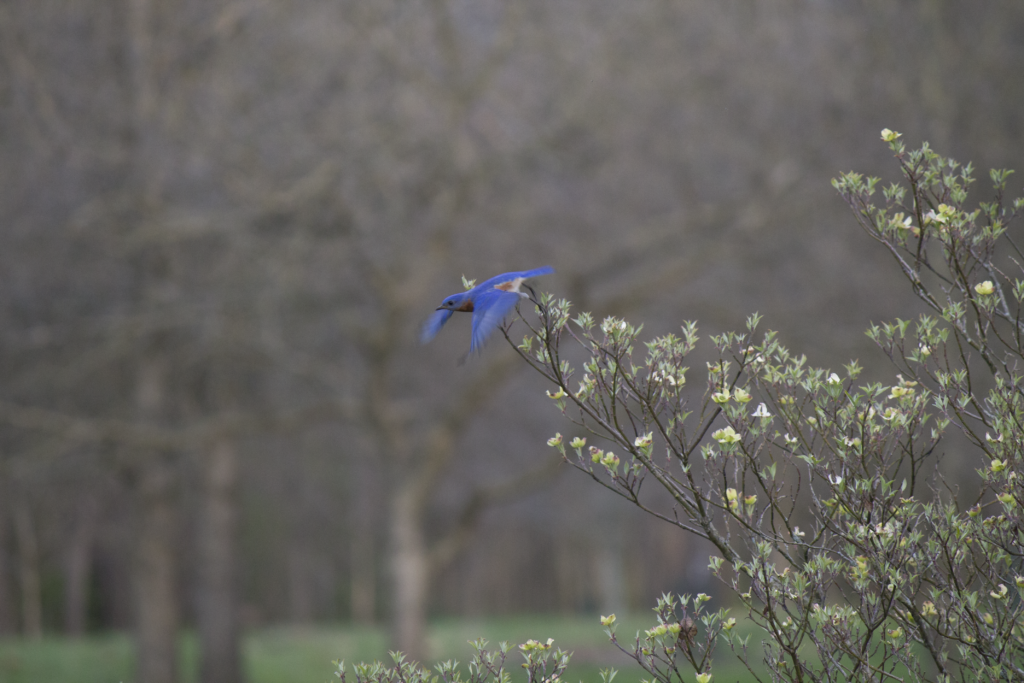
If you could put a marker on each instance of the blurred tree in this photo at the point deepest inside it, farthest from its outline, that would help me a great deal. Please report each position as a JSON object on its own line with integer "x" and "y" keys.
{"x": 78, "y": 561}
{"x": 8, "y": 625}
{"x": 237, "y": 214}
{"x": 29, "y": 578}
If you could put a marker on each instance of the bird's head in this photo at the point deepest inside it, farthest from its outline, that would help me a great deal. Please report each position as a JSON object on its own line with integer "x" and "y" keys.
{"x": 456, "y": 302}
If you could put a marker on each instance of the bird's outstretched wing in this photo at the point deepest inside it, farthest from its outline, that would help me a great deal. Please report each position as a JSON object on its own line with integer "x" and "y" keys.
{"x": 434, "y": 324}
{"x": 545, "y": 270}
{"x": 491, "y": 307}
{"x": 505, "y": 277}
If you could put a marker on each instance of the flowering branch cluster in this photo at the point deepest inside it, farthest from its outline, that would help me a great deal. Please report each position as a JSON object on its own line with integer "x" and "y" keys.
{"x": 823, "y": 498}
{"x": 685, "y": 631}
{"x": 542, "y": 664}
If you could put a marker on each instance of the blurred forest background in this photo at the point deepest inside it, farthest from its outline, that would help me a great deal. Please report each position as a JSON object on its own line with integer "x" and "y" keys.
{"x": 223, "y": 221}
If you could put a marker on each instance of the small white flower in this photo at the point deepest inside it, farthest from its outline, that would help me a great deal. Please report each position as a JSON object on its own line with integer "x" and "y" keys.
{"x": 836, "y": 481}
{"x": 790, "y": 439}
{"x": 762, "y": 411}
{"x": 797, "y": 533}
{"x": 726, "y": 436}
{"x": 834, "y": 379}
{"x": 901, "y": 391}
{"x": 667, "y": 378}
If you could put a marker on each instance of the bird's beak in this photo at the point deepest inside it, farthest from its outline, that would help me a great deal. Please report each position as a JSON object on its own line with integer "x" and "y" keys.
{"x": 439, "y": 308}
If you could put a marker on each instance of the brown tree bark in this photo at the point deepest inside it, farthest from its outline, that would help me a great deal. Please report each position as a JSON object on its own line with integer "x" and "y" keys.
{"x": 363, "y": 581}
{"x": 156, "y": 595}
{"x": 28, "y": 570}
{"x": 364, "y": 546}
{"x": 8, "y": 623}
{"x": 220, "y": 655}
{"x": 156, "y": 557}
{"x": 410, "y": 568}
{"x": 78, "y": 566}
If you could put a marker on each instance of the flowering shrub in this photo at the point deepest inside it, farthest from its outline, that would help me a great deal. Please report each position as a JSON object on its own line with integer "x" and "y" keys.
{"x": 543, "y": 665}
{"x": 832, "y": 523}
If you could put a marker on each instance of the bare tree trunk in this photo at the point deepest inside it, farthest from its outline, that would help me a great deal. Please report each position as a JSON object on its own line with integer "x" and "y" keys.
{"x": 155, "y": 543}
{"x": 28, "y": 570}
{"x": 363, "y": 562}
{"x": 412, "y": 561}
{"x": 363, "y": 575}
{"x": 155, "y": 569}
{"x": 220, "y": 656}
{"x": 300, "y": 593}
{"x": 77, "y": 566}
{"x": 8, "y": 624}
{"x": 610, "y": 575}
{"x": 411, "y": 575}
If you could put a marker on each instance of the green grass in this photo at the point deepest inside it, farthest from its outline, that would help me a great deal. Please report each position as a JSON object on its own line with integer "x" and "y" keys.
{"x": 304, "y": 654}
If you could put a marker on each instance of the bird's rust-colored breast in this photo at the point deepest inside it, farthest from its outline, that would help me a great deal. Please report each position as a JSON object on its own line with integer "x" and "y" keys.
{"x": 466, "y": 307}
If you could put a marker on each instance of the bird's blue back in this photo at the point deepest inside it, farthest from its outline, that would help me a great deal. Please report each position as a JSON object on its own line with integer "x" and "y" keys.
{"x": 505, "y": 277}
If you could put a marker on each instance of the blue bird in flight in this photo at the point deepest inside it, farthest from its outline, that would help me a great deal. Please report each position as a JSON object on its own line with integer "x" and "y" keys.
{"x": 489, "y": 302}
